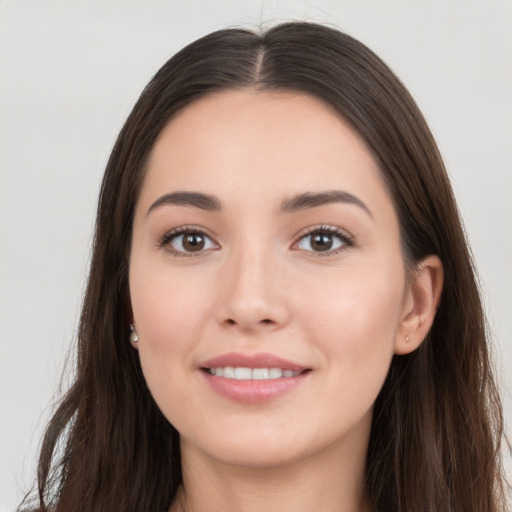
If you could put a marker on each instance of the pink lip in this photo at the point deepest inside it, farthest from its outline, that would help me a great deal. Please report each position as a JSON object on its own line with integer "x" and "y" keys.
{"x": 252, "y": 391}
{"x": 262, "y": 360}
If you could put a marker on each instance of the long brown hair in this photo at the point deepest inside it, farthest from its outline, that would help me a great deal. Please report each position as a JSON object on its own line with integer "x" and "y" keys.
{"x": 437, "y": 424}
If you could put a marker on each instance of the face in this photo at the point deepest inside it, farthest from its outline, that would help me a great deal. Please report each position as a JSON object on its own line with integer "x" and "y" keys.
{"x": 266, "y": 278}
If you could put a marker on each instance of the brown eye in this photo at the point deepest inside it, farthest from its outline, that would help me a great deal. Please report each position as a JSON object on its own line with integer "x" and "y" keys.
{"x": 189, "y": 242}
{"x": 322, "y": 241}
{"x": 193, "y": 242}
{"x": 326, "y": 240}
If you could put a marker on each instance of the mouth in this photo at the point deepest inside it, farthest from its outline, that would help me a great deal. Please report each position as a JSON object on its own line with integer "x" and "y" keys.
{"x": 245, "y": 373}
{"x": 252, "y": 378}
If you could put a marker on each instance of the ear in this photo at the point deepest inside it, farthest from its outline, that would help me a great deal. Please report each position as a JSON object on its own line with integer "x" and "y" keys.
{"x": 420, "y": 304}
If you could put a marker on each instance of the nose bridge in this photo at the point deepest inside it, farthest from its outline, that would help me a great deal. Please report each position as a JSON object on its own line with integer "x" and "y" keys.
{"x": 251, "y": 296}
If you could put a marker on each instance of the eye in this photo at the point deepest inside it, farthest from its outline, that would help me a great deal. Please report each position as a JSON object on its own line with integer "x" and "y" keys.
{"x": 328, "y": 240}
{"x": 187, "y": 241}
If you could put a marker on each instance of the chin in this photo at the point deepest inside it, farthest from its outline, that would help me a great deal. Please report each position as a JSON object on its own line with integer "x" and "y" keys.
{"x": 258, "y": 448}
{"x": 254, "y": 456}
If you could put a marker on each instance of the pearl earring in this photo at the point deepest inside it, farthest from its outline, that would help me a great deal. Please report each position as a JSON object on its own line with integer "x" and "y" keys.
{"x": 406, "y": 338}
{"x": 134, "y": 337}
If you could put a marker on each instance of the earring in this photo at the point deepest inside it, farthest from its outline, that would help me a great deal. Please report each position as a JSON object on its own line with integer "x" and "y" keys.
{"x": 406, "y": 338}
{"x": 134, "y": 337}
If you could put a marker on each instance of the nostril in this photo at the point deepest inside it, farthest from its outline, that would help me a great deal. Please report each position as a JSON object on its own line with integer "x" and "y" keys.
{"x": 265, "y": 324}
{"x": 265, "y": 321}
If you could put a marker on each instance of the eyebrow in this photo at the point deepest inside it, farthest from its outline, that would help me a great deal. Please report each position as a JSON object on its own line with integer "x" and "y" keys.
{"x": 315, "y": 199}
{"x": 195, "y": 199}
{"x": 297, "y": 203}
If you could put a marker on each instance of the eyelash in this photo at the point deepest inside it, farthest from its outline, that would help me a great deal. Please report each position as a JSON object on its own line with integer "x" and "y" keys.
{"x": 345, "y": 238}
{"x": 182, "y": 230}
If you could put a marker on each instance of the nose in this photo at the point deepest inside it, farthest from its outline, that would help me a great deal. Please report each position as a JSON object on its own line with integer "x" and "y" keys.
{"x": 252, "y": 294}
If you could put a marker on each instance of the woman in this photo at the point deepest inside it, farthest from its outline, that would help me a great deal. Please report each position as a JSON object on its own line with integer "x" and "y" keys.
{"x": 281, "y": 310}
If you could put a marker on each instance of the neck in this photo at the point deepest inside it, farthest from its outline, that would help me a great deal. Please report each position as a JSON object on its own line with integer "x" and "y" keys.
{"x": 332, "y": 481}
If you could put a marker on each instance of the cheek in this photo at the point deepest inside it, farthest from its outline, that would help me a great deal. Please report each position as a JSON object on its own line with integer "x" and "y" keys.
{"x": 169, "y": 310}
{"x": 168, "y": 317}
{"x": 354, "y": 323}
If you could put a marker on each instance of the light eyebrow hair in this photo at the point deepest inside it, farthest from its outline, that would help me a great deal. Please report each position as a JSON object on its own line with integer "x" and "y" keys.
{"x": 185, "y": 198}
{"x": 315, "y": 199}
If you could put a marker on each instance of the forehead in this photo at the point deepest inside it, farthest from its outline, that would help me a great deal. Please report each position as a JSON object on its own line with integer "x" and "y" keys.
{"x": 260, "y": 144}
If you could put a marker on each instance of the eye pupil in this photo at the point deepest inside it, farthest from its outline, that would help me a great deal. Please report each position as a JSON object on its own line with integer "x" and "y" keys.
{"x": 193, "y": 242}
{"x": 321, "y": 242}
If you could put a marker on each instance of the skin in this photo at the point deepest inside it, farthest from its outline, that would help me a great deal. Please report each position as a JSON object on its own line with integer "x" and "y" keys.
{"x": 260, "y": 286}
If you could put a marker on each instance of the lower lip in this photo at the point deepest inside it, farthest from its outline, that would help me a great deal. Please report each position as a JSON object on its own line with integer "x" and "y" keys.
{"x": 253, "y": 391}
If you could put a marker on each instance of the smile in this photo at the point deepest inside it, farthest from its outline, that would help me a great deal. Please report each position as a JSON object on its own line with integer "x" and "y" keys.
{"x": 252, "y": 378}
{"x": 242, "y": 373}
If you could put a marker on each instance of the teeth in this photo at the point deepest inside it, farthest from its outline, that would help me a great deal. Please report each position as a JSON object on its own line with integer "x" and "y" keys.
{"x": 260, "y": 373}
{"x": 275, "y": 373}
{"x": 241, "y": 373}
{"x": 228, "y": 372}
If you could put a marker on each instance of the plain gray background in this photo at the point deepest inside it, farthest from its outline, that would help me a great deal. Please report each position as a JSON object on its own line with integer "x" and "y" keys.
{"x": 70, "y": 71}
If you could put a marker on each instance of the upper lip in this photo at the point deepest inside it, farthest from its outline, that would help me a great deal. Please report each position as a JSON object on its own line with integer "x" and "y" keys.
{"x": 261, "y": 360}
